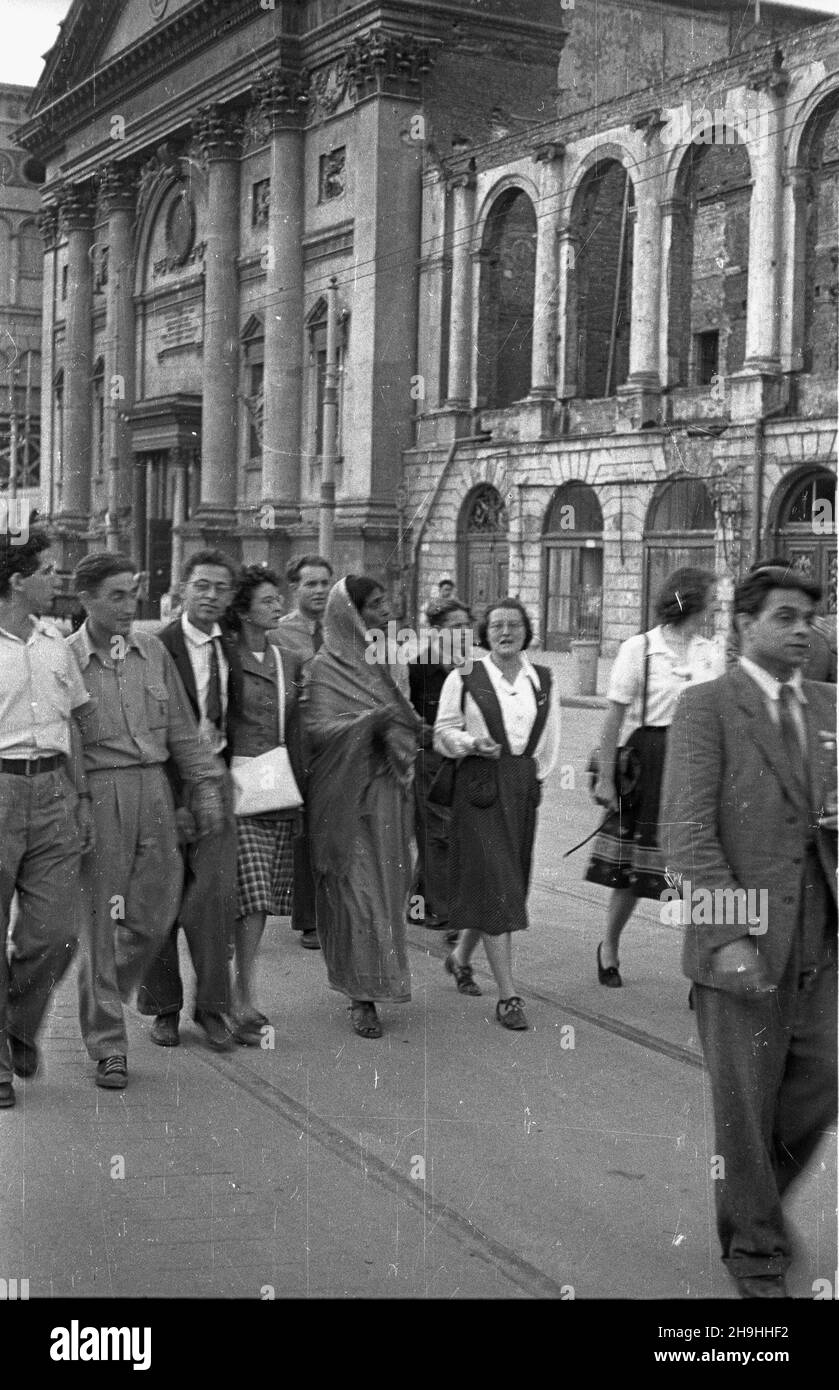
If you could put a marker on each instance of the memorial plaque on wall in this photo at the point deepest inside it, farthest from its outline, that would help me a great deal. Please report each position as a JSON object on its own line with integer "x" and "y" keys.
{"x": 181, "y": 326}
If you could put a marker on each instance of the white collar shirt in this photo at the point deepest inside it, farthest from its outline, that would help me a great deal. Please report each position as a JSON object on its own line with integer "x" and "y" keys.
{"x": 456, "y": 730}
{"x": 40, "y": 684}
{"x": 198, "y": 647}
{"x": 770, "y": 689}
{"x": 669, "y": 674}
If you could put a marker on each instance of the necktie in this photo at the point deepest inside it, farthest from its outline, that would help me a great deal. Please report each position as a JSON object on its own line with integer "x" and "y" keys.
{"x": 317, "y": 635}
{"x": 791, "y": 741}
{"x": 214, "y": 710}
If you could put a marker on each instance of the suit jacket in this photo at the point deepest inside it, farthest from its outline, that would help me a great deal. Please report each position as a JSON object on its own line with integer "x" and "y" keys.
{"x": 173, "y": 639}
{"x": 733, "y": 815}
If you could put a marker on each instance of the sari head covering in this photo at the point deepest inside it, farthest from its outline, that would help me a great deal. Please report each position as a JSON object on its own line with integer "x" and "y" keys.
{"x": 360, "y": 727}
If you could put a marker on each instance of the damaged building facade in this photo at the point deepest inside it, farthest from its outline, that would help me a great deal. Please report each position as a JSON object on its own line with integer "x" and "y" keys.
{"x": 628, "y": 335}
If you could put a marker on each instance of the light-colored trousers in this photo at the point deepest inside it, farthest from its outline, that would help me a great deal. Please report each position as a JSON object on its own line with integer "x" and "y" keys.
{"x": 132, "y": 883}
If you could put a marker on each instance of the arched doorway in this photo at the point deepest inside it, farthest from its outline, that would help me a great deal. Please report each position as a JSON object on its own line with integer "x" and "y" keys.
{"x": 679, "y": 532}
{"x": 572, "y": 565}
{"x": 805, "y": 530}
{"x": 482, "y": 549}
{"x": 507, "y": 289}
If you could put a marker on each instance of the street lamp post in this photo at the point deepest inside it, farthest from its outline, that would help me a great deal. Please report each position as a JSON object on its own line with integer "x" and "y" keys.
{"x": 326, "y": 529}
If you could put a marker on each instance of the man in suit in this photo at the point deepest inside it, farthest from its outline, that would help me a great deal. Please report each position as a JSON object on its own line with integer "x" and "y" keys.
{"x": 749, "y": 803}
{"x": 200, "y": 649}
{"x": 300, "y": 632}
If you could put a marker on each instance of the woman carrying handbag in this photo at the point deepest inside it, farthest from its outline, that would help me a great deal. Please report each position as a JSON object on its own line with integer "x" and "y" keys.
{"x": 262, "y": 731}
{"x": 650, "y": 672}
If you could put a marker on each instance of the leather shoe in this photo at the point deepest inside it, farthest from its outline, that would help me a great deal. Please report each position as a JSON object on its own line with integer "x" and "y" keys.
{"x": 7, "y": 1095}
{"x": 216, "y": 1031}
{"x": 761, "y": 1286}
{"x": 164, "y": 1030}
{"x": 608, "y": 975}
{"x": 112, "y": 1073}
{"x": 26, "y": 1058}
{"x": 309, "y": 941}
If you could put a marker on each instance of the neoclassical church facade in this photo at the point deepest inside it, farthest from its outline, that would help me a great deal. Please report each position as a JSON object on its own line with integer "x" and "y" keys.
{"x": 577, "y": 266}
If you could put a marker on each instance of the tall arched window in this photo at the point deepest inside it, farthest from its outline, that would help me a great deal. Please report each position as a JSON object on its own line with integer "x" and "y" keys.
{"x": 709, "y": 264}
{"x": 821, "y": 282}
{"x": 679, "y": 532}
{"x": 805, "y": 530}
{"x": 483, "y": 547}
{"x": 602, "y": 278}
{"x": 507, "y": 287}
{"x": 572, "y": 549}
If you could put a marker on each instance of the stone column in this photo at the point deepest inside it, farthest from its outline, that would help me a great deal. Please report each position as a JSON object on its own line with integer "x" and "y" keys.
{"x": 460, "y": 325}
{"x": 77, "y": 221}
{"x": 432, "y": 271}
{"x": 283, "y": 104}
{"x": 640, "y": 395}
{"x": 674, "y": 218}
{"x": 794, "y": 268}
{"x": 179, "y": 461}
{"x": 543, "y": 369}
{"x": 566, "y": 373}
{"x": 48, "y": 225}
{"x": 117, "y": 195}
{"x": 219, "y": 136}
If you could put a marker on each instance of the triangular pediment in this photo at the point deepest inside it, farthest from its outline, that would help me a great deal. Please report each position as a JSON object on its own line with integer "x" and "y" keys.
{"x": 92, "y": 33}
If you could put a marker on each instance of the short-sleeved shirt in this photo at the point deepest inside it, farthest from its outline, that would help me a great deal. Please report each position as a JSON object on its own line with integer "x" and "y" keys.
{"x": 669, "y": 675}
{"x": 40, "y": 684}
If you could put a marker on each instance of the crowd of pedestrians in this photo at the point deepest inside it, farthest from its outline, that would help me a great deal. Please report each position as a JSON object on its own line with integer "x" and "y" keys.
{"x": 246, "y": 763}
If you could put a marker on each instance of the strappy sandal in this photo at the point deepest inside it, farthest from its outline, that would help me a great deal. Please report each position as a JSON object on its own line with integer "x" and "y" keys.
{"x": 365, "y": 1020}
{"x": 463, "y": 976}
{"x": 510, "y": 1012}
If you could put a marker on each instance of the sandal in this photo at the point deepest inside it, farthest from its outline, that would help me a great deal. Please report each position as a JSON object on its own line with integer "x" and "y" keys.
{"x": 463, "y": 976}
{"x": 510, "y": 1012}
{"x": 364, "y": 1019}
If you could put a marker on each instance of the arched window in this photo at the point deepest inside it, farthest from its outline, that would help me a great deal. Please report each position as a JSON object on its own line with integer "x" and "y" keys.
{"x": 572, "y": 565}
{"x": 316, "y": 328}
{"x": 679, "y": 532}
{"x": 709, "y": 264}
{"x": 805, "y": 530}
{"x": 602, "y": 279}
{"x": 507, "y": 287}
{"x": 821, "y": 280}
{"x": 482, "y": 547}
{"x": 98, "y": 418}
{"x": 253, "y": 368}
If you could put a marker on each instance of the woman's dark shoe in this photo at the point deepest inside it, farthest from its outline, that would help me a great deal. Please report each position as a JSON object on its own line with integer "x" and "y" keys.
{"x": 463, "y": 977}
{"x": 608, "y": 975}
{"x": 247, "y": 1029}
{"x": 364, "y": 1019}
{"x": 510, "y": 1012}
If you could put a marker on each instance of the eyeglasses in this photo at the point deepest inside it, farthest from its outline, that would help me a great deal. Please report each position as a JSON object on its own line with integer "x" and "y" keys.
{"x": 203, "y": 586}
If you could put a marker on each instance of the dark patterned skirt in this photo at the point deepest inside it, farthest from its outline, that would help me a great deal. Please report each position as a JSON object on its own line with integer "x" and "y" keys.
{"x": 265, "y": 864}
{"x": 491, "y": 847}
{"x": 626, "y": 853}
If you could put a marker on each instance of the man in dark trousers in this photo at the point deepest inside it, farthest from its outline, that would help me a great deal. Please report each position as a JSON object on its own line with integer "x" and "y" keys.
{"x": 197, "y": 644}
{"x": 749, "y": 803}
{"x": 300, "y": 632}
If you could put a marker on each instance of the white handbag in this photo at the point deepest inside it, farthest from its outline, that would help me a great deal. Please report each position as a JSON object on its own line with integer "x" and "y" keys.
{"x": 266, "y": 783}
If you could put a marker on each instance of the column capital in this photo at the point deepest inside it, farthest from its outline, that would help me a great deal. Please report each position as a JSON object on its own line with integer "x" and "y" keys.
{"x": 771, "y": 78}
{"x": 381, "y": 61}
{"x": 466, "y": 181}
{"x": 675, "y": 207}
{"x": 283, "y": 99}
{"x": 117, "y": 188}
{"x": 76, "y": 208}
{"x": 219, "y": 133}
{"x": 799, "y": 180}
{"x": 48, "y": 225}
{"x": 546, "y": 154}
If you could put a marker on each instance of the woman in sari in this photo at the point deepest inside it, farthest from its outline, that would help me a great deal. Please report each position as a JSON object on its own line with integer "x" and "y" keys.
{"x": 363, "y": 737}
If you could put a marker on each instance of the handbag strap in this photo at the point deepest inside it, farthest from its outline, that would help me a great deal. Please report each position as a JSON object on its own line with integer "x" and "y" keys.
{"x": 646, "y": 678}
{"x": 278, "y": 661}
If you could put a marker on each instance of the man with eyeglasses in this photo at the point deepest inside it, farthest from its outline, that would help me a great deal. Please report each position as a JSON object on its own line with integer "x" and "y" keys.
{"x": 197, "y": 642}
{"x": 45, "y": 812}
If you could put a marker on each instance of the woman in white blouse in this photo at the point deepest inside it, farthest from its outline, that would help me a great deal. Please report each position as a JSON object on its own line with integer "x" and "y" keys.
{"x": 501, "y": 722}
{"x": 650, "y": 672}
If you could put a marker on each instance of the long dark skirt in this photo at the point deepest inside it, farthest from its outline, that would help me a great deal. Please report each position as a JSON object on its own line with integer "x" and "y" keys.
{"x": 432, "y": 824}
{"x": 626, "y": 852}
{"x": 491, "y": 848}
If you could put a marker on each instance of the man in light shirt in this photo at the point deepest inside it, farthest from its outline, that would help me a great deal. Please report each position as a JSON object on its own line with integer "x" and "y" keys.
{"x": 45, "y": 815}
{"x": 750, "y": 807}
{"x": 197, "y": 643}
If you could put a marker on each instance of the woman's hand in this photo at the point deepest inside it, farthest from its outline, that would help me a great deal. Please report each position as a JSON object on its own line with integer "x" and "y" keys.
{"x": 487, "y": 748}
{"x": 605, "y": 793}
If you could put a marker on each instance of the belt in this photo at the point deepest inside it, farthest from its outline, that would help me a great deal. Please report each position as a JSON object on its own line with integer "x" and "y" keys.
{"x": 31, "y": 767}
